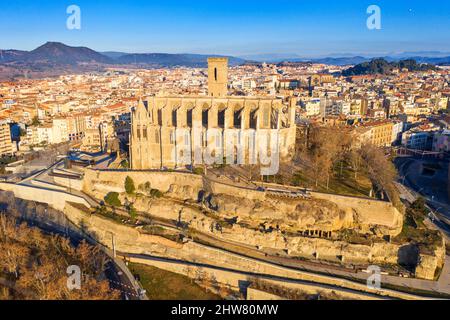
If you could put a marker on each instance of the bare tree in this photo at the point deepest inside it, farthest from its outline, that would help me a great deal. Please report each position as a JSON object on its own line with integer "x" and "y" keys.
{"x": 381, "y": 171}
{"x": 38, "y": 264}
{"x": 324, "y": 150}
{"x": 356, "y": 161}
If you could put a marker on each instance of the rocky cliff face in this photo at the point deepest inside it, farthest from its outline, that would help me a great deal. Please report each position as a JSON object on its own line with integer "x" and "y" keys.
{"x": 324, "y": 212}
{"x": 430, "y": 263}
{"x": 272, "y": 224}
{"x": 285, "y": 213}
{"x": 268, "y": 240}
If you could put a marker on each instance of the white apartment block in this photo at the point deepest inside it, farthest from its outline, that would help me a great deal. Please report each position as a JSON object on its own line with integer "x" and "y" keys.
{"x": 6, "y": 144}
{"x": 60, "y": 130}
{"x": 312, "y": 108}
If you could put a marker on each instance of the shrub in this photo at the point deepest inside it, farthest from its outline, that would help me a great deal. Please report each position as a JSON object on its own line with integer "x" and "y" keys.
{"x": 147, "y": 187}
{"x": 199, "y": 170}
{"x": 129, "y": 186}
{"x": 155, "y": 193}
{"x": 418, "y": 211}
{"x": 419, "y": 206}
{"x": 125, "y": 164}
{"x": 102, "y": 210}
{"x": 113, "y": 200}
{"x": 132, "y": 212}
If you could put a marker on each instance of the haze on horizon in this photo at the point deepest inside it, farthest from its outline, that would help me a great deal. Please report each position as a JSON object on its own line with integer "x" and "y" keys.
{"x": 296, "y": 28}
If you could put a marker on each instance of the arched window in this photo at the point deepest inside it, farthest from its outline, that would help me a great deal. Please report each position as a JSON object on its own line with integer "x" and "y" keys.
{"x": 215, "y": 74}
{"x": 144, "y": 131}
{"x": 139, "y": 131}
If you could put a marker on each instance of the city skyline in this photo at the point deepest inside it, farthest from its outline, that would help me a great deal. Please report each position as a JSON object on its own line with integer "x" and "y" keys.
{"x": 306, "y": 30}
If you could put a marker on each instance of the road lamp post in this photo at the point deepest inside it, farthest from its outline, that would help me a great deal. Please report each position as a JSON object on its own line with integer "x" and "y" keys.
{"x": 113, "y": 243}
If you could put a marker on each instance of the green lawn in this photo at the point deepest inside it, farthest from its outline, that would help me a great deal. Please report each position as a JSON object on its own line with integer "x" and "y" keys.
{"x": 165, "y": 285}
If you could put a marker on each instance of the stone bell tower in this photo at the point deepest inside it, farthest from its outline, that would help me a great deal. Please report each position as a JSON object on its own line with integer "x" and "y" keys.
{"x": 217, "y": 77}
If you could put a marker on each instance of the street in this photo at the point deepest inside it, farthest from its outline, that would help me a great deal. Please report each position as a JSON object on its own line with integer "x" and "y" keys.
{"x": 431, "y": 184}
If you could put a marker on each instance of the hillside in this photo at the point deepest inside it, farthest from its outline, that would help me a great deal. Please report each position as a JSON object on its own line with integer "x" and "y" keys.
{"x": 171, "y": 60}
{"x": 383, "y": 67}
{"x": 56, "y": 53}
{"x": 59, "y": 53}
{"x": 347, "y": 60}
{"x": 11, "y": 55}
{"x": 55, "y": 58}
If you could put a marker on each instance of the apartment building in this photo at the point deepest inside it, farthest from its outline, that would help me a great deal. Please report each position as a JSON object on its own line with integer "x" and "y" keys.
{"x": 6, "y": 144}
{"x": 358, "y": 107}
{"x": 60, "y": 130}
{"x": 441, "y": 141}
{"x": 418, "y": 140}
{"x": 313, "y": 107}
{"x": 378, "y": 133}
{"x": 76, "y": 127}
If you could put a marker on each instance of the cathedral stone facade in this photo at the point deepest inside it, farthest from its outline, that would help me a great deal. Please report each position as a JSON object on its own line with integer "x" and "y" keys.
{"x": 175, "y": 132}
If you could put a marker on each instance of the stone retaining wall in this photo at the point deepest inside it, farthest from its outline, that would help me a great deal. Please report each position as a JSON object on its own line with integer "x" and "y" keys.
{"x": 368, "y": 213}
{"x": 55, "y": 198}
{"x": 133, "y": 241}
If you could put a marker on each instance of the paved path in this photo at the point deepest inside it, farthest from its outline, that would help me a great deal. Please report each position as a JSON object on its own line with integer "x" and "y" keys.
{"x": 443, "y": 285}
{"x": 409, "y": 169}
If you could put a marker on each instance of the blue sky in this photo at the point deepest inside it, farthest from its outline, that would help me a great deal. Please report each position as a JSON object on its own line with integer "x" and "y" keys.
{"x": 307, "y": 28}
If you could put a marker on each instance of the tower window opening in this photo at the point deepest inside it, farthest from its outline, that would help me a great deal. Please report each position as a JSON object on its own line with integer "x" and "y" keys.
{"x": 144, "y": 132}
{"x": 215, "y": 74}
{"x": 237, "y": 119}
{"x": 221, "y": 119}
{"x": 189, "y": 118}
{"x": 160, "y": 117}
{"x": 174, "y": 118}
{"x": 205, "y": 118}
{"x": 253, "y": 119}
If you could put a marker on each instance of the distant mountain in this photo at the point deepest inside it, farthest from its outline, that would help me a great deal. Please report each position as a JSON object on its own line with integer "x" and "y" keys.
{"x": 340, "y": 60}
{"x": 55, "y": 58}
{"x": 59, "y": 53}
{"x": 381, "y": 66}
{"x": 271, "y": 57}
{"x": 343, "y": 61}
{"x": 114, "y": 54}
{"x": 428, "y": 54}
{"x": 11, "y": 55}
{"x": 347, "y": 59}
{"x": 433, "y": 60}
{"x": 336, "y": 61}
{"x": 171, "y": 60}
{"x": 55, "y": 53}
